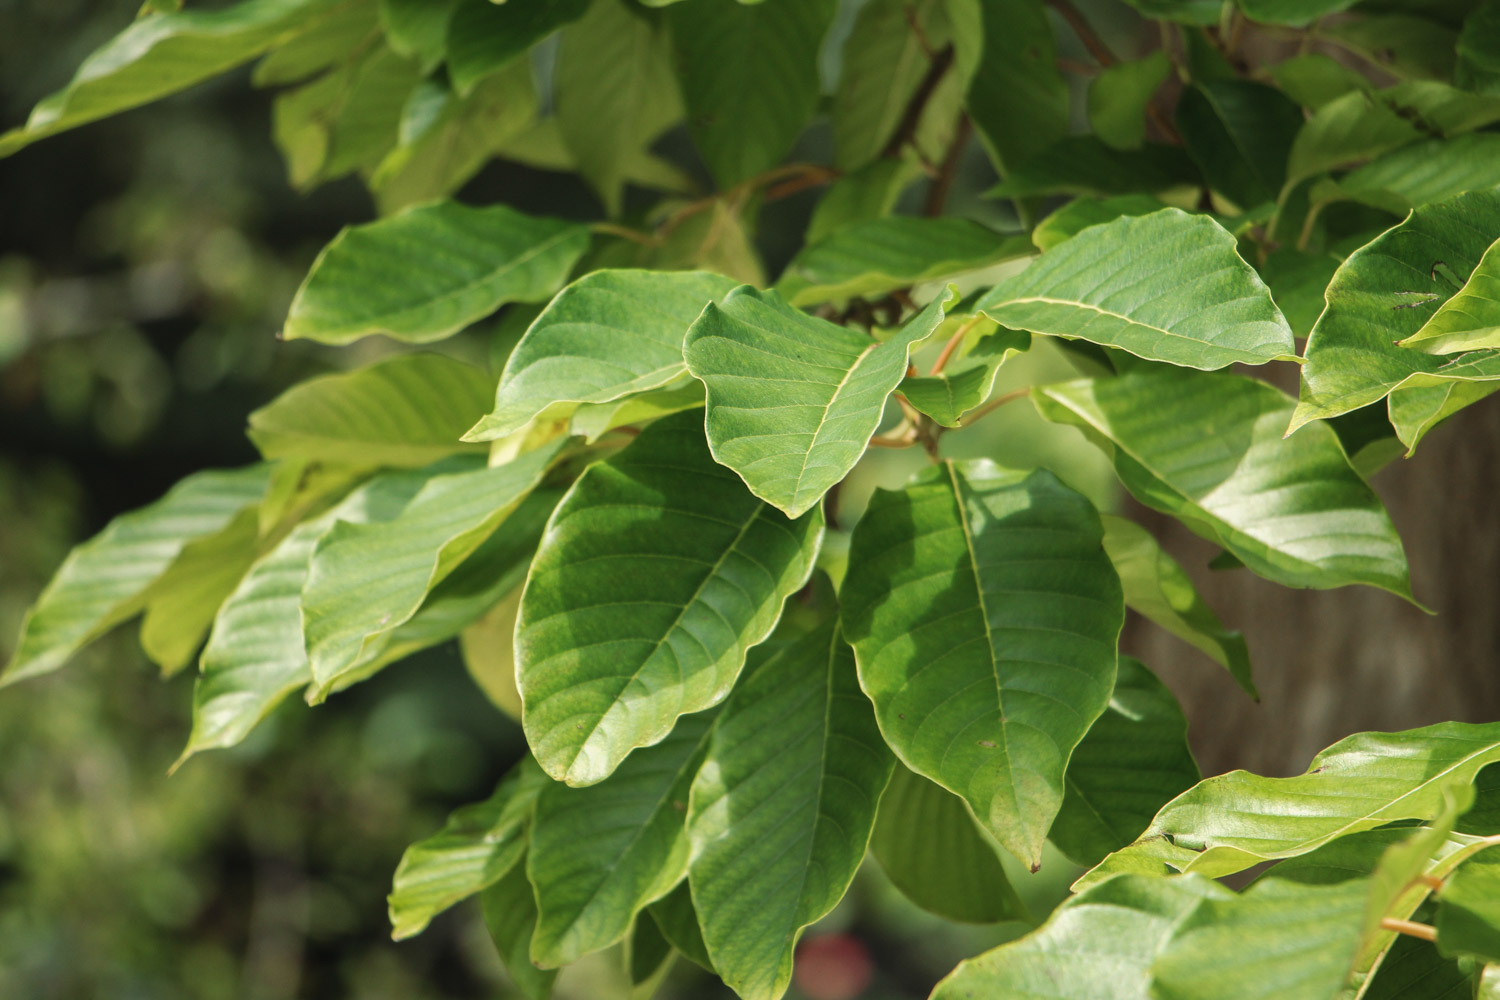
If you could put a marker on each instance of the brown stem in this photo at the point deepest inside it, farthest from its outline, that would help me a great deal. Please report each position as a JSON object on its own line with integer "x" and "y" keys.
{"x": 1430, "y": 881}
{"x": 901, "y": 442}
{"x": 953, "y": 342}
{"x": 942, "y": 184}
{"x": 906, "y": 131}
{"x": 1101, "y": 53}
{"x": 1409, "y": 927}
{"x": 993, "y": 405}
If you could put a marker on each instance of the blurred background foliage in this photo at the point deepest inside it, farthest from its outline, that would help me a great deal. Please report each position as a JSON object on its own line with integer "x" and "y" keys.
{"x": 146, "y": 262}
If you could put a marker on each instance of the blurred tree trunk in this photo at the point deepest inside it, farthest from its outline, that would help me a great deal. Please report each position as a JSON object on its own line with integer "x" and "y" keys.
{"x": 1331, "y": 663}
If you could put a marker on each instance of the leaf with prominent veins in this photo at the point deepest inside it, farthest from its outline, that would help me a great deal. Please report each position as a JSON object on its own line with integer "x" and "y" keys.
{"x": 1166, "y": 287}
{"x": 656, "y": 574}
{"x": 793, "y": 400}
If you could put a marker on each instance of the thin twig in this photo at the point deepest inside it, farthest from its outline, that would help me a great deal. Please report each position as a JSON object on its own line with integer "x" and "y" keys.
{"x": 971, "y": 419}
{"x": 1409, "y": 927}
{"x": 1101, "y": 53}
{"x": 911, "y": 117}
{"x": 953, "y": 342}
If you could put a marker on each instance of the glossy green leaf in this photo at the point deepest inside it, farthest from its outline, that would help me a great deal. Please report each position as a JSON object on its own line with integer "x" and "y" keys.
{"x": 1239, "y": 133}
{"x": 1118, "y": 97}
{"x": 1293, "y": 510}
{"x": 782, "y": 810}
{"x": 510, "y": 914}
{"x": 1470, "y": 320}
{"x": 749, "y": 75}
{"x": 1134, "y": 760}
{"x": 160, "y": 55}
{"x": 610, "y": 654}
{"x": 1158, "y": 588}
{"x": 966, "y": 383}
{"x": 1097, "y": 945}
{"x": 615, "y": 93}
{"x": 1232, "y": 822}
{"x": 793, "y": 400}
{"x": 608, "y": 335}
{"x": 1385, "y": 292}
{"x": 889, "y": 51}
{"x": 106, "y": 580}
{"x": 255, "y": 655}
{"x": 484, "y": 37}
{"x": 407, "y": 410}
{"x": 600, "y": 854}
{"x": 367, "y": 580}
{"x": 1277, "y": 940}
{"x": 431, "y": 270}
{"x": 1081, "y": 213}
{"x": 1468, "y": 913}
{"x": 1190, "y": 301}
{"x": 1082, "y": 164}
{"x": 868, "y": 259}
{"x": 1479, "y": 50}
{"x": 478, "y": 844}
{"x": 1017, "y": 98}
{"x": 984, "y": 614}
{"x": 931, "y": 849}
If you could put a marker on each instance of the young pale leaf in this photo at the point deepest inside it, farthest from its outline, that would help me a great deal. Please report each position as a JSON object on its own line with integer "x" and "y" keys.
{"x": 615, "y": 93}
{"x": 889, "y": 51}
{"x": 656, "y": 574}
{"x": 1277, "y": 940}
{"x": 255, "y": 655}
{"x": 484, "y": 37}
{"x": 407, "y": 410}
{"x": 932, "y": 851}
{"x": 1097, "y": 945}
{"x": 107, "y": 579}
{"x": 1237, "y": 820}
{"x": 367, "y": 580}
{"x": 1158, "y": 588}
{"x": 600, "y": 854}
{"x": 1208, "y": 449}
{"x": 1384, "y": 293}
{"x": 967, "y": 383}
{"x": 431, "y": 270}
{"x": 793, "y": 400}
{"x": 163, "y": 54}
{"x": 1134, "y": 760}
{"x": 782, "y": 810}
{"x": 1017, "y": 99}
{"x": 749, "y": 76}
{"x": 608, "y": 335}
{"x": 1166, "y": 287}
{"x": 1468, "y": 913}
{"x": 478, "y": 844}
{"x": 871, "y": 258}
{"x": 1470, "y": 320}
{"x": 509, "y": 907}
{"x": 984, "y": 614}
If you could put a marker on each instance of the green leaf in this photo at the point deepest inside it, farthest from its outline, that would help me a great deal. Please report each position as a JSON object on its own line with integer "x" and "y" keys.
{"x": 984, "y": 614}
{"x": 484, "y": 37}
{"x": 1314, "y": 79}
{"x": 1468, "y": 913}
{"x": 930, "y": 849}
{"x": 1417, "y": 409}
{"x": 1193, "y": 302}
{"x": 429, "y": 271}
{"x": 1279, "y": 939}
{"x": 648, "y": 953}
{"x": 1413, "y": 970}
{"x": 1383, "y": 293}
{"x": 1237, "y": 820}
{"x": 607, "y": 336}
{"x": 107, "y": 579}
{"x": 1200, "y": 12}
{"x": 1081, "y": 213}
{"x": 1157, "y": 588}
{"x": 1421, "y": 172}
{"x": 1017, "y": 98}
{"x": 592, "y": 420}
{"x": 255, "y": 655}
{"x": 1118, "y": 97}
{"x": 615, "y": 93}
{"x": 1470, "y": 320}
{"x": 488, "y": 646}
{"x": 1479, "y": 50}
{"x": 407, "y": 410}
{"x": 328, "y": 42}
{"x": 749, "y": 75}
{"x": 1208, "y": 449}
{"x": 367, "y": 580}
{"x": 1134, "y": 760}
{"x": 417, "y": 29}
{"x": 862, "y": 195}
{"x": 1239, "y": 133}
{"x": 1417, "y": 48}
{"x": 678, "y": 920}
{"x": 1098, "y": 944}
{"x": 478, "y": 844}
{"x": 793, "y": 400}
{"x": 161, "y": 55}
{"x": 1296, "y": 13}
{"x": 669, "y": 571}
{"x": 782, "y": 810}
{"x": 868, "y": 259}
{"x": 967, "y": 383}
{"x": 510, "y": 916}
{"x": 1297, "y": 280}
{"x": 1348, "y": 129}
{"x": 1082, "y": 164}
{"x": 885, "y": 59}
{"x": 600, "y": 854}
